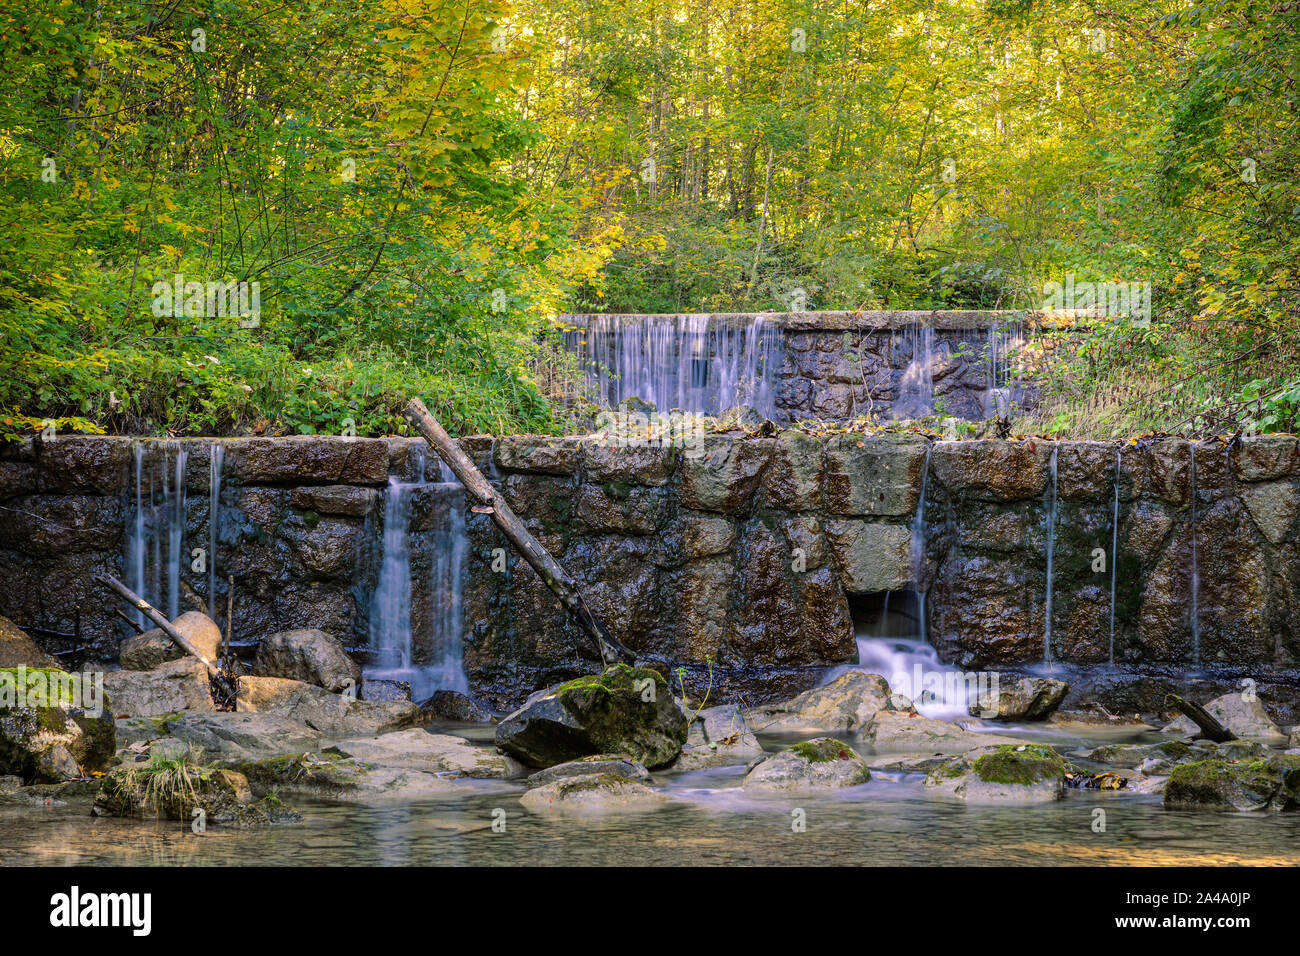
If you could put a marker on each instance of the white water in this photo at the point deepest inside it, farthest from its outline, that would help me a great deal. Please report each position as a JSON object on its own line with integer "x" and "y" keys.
{"x": 913, "y": 669}
{"x": 1114, "y": 551}
{"x": 918, "y": 543}
{"x": 1051, "y": 555}
{"x": 1000, "y": 393}
{"x": 216, "y": 460}
{"x": 689, "y": 362}
{"x": 916, "y": 387}
{"x": 390, "y": 617}
{"x": 158, "y": 513}
{"x": 1196, "y": 571}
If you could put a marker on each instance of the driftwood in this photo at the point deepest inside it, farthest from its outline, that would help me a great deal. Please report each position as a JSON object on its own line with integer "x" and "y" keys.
{"x": 215, "y": 673}
{"x": 1211, "y": 729}
{"x": 481, "y": 490}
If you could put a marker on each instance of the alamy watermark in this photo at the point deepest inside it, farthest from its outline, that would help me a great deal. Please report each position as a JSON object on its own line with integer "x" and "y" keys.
{"x": 625, "y": 427}
{"x": 22, "y": 688}
{"x": 1112, "y": 298}
{"x": 965, "y": 688}
{"x": 214, "y": 300}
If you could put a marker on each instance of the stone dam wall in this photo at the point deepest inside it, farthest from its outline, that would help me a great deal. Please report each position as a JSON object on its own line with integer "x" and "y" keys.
{"x": 746, "y": 565}
{"x": 823, "y": 366}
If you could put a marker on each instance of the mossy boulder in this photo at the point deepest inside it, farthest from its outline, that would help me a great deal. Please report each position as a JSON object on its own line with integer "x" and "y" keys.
{"x": 823, "y": 763}
{"x": 175, "y": 789}
{"x": 625, "y": 709}
{"x": 594, "y": 793}
{"x": 1268, "y": 783}
{"x": 1007, "y": 773}
{"x": 54, "y": 726}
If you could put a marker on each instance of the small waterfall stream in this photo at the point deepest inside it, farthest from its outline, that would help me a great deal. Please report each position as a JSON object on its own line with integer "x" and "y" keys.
{"x": 216, "y": 460}
{"x": 391, "y": 628}
{"x": 158, "y": 514}
{"x": 918, "y": 542}
{"x": 916, "y": 386}
{"x": 692, "y": 362}
{"x": 1051, "y": 557}
{"x": 1196, "y": 569}
{"x": 1114, "y": 551}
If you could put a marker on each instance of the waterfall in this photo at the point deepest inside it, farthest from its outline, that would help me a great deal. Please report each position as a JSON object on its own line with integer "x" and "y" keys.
{"x": 451, "y": 542}
{"x": 998, "y": 394}
{"x": 1196, "y": 570}
{"x": 916, "y": 387}
{"x": 216, "y": 460}
{"x": 918, "y": 542}
{"x": 158, "y": 514}
{"x": 175, "y": 536}
{"x": 1114, "y": 551}
{"x": 390, "y": 616}
{"x": 1051, "y": 556}
{"x": 391, "y": 632}
{"x": 690, "y": 362}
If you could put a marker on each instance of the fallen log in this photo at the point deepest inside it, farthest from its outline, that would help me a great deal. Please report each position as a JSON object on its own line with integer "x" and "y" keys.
{"x": 481, "y": 491}
{"x": 215, "y": 673}
{"x": 1211, "y": 729}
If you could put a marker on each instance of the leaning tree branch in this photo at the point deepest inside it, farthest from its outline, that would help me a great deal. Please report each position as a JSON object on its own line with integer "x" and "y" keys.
{"x": 482, "y": 491}
{"x": 1211, "y": 729}
{"x": 217, "y": 676}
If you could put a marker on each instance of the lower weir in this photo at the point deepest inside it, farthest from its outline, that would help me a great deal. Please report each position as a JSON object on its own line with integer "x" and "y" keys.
{"x": 741, "y": 566}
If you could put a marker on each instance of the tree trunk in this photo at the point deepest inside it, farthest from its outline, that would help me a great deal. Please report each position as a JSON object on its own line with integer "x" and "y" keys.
{"x": 1211, "y": 729}
{"x": 481, "y": 491}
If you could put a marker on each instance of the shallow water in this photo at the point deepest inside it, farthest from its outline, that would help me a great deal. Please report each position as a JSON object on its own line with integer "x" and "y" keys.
{"x": 889, "y": 821}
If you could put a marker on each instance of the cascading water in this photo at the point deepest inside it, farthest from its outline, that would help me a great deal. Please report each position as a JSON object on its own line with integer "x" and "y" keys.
{"x": 916, "y": 387}
{"x": 1000, "y": 391}
{"x": 158, "y": 514}
{"x": 175, "y": 535}
{"x": 216, "y": 460}
{"x": 890, "y": 644}
{"x": 391, "y": 633}
{"x": 690, "y": 362}
{"x": 1196, "y": 570}
{"x": 1114, "y": 551}
{"x": 918, "y": 541}
{"x": 1051, "y": 556}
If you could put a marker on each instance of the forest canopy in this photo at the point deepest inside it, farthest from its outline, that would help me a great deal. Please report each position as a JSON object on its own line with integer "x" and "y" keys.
{"x": 419, "y": 188}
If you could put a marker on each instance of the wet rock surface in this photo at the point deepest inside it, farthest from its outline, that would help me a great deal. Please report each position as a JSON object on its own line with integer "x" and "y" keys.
{"x": 819, "y": 764}
{"x": 622, "y": 710}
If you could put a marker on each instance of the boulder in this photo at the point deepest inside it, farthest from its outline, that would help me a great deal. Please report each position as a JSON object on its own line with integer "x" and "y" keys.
{"x": 45, "y": 735}
{"x": 174, "y": 789}
{"x": 587, "y": 766}
{"x": 623, "y": 710}
{"x": 307, "y": 655}
{"x": 143, "y": 652}
{"x": 417, "y": 749}
{"x": 333, "y": 776}
{"x": 19, "y": 650}
{"x": 1022, "y": 773}
{"x": 901, "y": 732}
{"x": 1244, "y": 717}
{"x": 596, "y": 793}
{"x": 385, "y": 690}
{"x": 1028, "y": 698}
{"x": 1161, "y": 758}
{"x": 717, "y": 737}
{"x": 456, "y": 707}
{"x": 1266, "y": 783}
{"x": 166, "y": 689}
{"x": 823, "y": 763}
{"x": 219, "y": 736}
{"x": 844, "y": 705}
{"x": 333, "y": 715}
